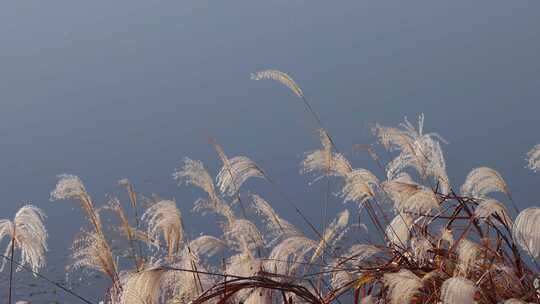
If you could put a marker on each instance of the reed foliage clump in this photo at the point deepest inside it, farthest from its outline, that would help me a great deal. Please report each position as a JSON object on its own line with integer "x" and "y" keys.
{"x": 410, "y": 235}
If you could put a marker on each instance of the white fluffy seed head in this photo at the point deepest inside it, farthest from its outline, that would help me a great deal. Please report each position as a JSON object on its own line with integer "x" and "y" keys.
{"x": 28, "y": 234}
{"x": 193, "y": 173}
{"x": 279, "y": 77}
{"x": 525, "y": 231}
{"x": 398, "y": 231}
{"x": 277, "y": 226}
{"x": 402, "y": 286}
{"x": 457, "y": 290}
{"x": 446, "y": 235}
{"x": 493, "y": 208}
{"x": 482, "y": 181}
{"x": 68, "y": 187}
{"x": 533, "y": 158}
{"x": 324, "y": 161}
{"x": 206, "y": 245}
{"x": 468, "y": 253}
{"x": 421, "y": 248}
{"x": 244, "y": 235}
{"x": 91, "y": 251}
{"x": 417, "y": 150}
{"x": 236, "y": 172}
{"x": 243, "y": 264}
{"x": 361, "y": 252}
{"x": 142, "y": 287}
{"x": 284, "y": 257}
{"x": 335, "y": 227}
{"x": 164, "y": 219}
{"x": 360, "y": 185}
{"x": 421, "y": 201}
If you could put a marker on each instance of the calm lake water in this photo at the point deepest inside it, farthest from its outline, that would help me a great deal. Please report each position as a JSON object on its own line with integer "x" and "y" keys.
{"x": 114, "y": 89}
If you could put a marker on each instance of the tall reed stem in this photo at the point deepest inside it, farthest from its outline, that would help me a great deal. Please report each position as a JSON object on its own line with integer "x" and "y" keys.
{"x": 11, "y": 255}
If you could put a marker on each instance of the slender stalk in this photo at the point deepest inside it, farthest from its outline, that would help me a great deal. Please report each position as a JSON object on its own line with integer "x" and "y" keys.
{"x": 11, "y": 265}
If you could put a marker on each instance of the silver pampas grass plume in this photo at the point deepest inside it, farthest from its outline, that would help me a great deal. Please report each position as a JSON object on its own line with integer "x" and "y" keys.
{"x": 277, "y": 226}
{"x": 533, "y": 158}
{"x": 164, "y": 219}
{"x": 483, "y": 180}
{"x": 324, "y": 160}
{"x": 142, "y": 287}
{"x": 457, "y": 290}
{"x": 239, "y": 169}
{"x": 360, "y": 185}
{"x": 402, "y": 286}
{"x": 491, "y": 208}
{"x": 71, "y": 187}
{"x": 398, "y": 232}
{"x": 28, "y": 234}
{"x": 279, "y": 77}
{"x": 468, "y": 253}
{"x": 525, "y": 230}
{"x": 193, "y": 173}
{"x": 91, "y": 251}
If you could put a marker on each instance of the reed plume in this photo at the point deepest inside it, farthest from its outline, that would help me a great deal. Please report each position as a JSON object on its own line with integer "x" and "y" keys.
{"x": 239, "y": 169}
{"x": 124, "y": 182}
{"x": 421, "y": 249}
{"x": 285, "y": 257}
{"x": 398, "y": 230}
{"x": 193, "y": 173}
{"x": 277, "y": 226}
{"x": 402, "y": 286}
{"x": 143, "y": 287}
{"x": 329, "y": 236}
{"x": 360, "y": 186}
{"x": 71, "y": 187}
{"x": 525, "y": 230}
{"x": 91, "y": 251}
{"x": 27, "y": 233}
{"x": 324, "y": 160}
{"x": 280, "y": 77}
{"x": 132, "y": 234}
{"x": 482, "y": 181}
{"x": 533, "y": 158}
{"x": 467, "y": 252}
{"x": 419, "y": 150}
{"x": 457, "y": 290}
{"x": 164, "y": 219}
{"x": 422, "y": 201}
{"x": 493, "y": 208}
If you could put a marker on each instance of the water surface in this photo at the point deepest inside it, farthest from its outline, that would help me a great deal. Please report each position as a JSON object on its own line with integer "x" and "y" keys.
{"x": 113, "y": 89}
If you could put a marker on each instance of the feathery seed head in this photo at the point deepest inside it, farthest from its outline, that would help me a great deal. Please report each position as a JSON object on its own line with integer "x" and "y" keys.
{"x": 457, "y": 290}
{"x": 492, "y": 207}
{"x": 239, "y": 169}
{"x": 194, "y": 173}
{"x": 483, "y": 180}
{"x": 402, "y": 286}
{"x": 28, "y": 234}
{"x": 68, "y": 187}
{"x": 91, "y": 251}
{"x": 525, "y": 231}
{"x": 163, "y": 218}
{"x": 279, "y": 77}
{"x": 533, "y": 158}
{"x": 360, "y": 185}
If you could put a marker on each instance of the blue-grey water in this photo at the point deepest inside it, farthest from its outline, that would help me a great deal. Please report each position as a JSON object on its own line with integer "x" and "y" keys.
{"x": 113, "y": 89}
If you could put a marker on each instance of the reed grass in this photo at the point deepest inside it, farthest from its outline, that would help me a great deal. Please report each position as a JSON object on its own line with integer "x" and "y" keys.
{"x": 408, "y": 235}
